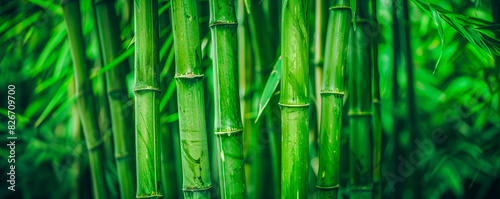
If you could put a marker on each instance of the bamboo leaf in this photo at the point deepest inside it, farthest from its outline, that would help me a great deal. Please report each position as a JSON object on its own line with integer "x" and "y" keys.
{"x": 169, "y": 118}
{"x": 168, "y": 94}
{"x": 478, "y": 38}
{"x": 163, "y": 8}
{"x": 55, "y": 100}
{"x": 271, "y": 85}
{"x": 49, "y": 49}
{"x": 439, "y": 24}
{"x": 48, "y": 5}
{"x": 464, "y": 32}
{"x": 122, "y": 57}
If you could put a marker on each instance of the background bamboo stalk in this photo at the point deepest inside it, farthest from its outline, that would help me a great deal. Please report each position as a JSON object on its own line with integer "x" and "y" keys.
{"x": 191, "y": 103}
{"x": 332, "y": 94}
{"x": 121, "y": 115}
{"x": 294, "y": 98}
{"x": 147, "y": 93}
{"x": 100, "y": 91}
{"x": 377, "y": 125}
{"x": 86, "y": 107}
{"x": 320, "y": 33}
{"x": 405, "y": 131}
{"x": 228, "y": 125}
{"x": 360, "y": 106}
{"x": 263, "y": 56}
{"x": 246, "y": 73}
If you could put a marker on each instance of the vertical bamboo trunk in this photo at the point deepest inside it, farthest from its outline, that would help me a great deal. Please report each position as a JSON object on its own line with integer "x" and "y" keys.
{"x": 100, "y": 92}
{"x": 191, "y": 102}
{"x": 377, "y": 125}
{"x": 121, "y": 115}
{"x": 294, "y": 98}
{"x": 320, "y": 32}
{"x": 147, "y": 93}
{"x": 246, "y": 79}
{"x": 228, "y": 125}
{"x": 404, "y": 100}
{"x": 85, "y": 103}
{"x": 75, "y": 138}
{"x": 332, "y": 94}
{"x": 360, "y": 107}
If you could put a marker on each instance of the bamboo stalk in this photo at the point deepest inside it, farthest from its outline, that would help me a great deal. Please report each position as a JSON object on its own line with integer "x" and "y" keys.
{"x": 294, "y": 98}
{"x": 403, "y": 96}
{"x": 121, "y": 115}
{"x": 320, "y": 34}
{"x": 245, "y": 73}
{"x": 85, "y": 102}
{"x": 332, "y": 94}
{"x": 190, "y": 94}
{"x": 228, "y": 125}
{"x": 360, "y": 107}
{"x": 377, "y": 125}
{"x": 147, "y": 93}
{"x": 100, "y": 91}
{"x": 75, "y": 135}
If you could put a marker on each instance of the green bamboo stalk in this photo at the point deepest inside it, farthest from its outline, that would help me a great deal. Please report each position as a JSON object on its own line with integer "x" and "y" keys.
{"x": 75, "y": 135}
{"x": 121, "y": 115}
{"x": 85, "y": 102}
{"x": 190, "y": 95}
{"x": 147, "y": 94}
{"x": 377, "y": 125}
{"x": 360, "y": 107}
{"x": 319, "y": 50}
{"x": 294, "y": 98}
{"x": 404, "y": 96}
{"x": 245, "y": 73}
{"x": 332, "y": 94}
{"x": 228, "y": 125}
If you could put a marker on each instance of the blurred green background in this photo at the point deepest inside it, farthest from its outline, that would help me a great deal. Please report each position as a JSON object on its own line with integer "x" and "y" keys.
{"x": 461, "y": 101}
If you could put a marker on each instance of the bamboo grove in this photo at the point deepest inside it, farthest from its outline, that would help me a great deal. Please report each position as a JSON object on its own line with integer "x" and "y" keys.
{"x": 259, "y": 98}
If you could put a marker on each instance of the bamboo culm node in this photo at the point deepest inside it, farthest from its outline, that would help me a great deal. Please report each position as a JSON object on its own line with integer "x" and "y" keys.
{"x": 196, "y": 179}
{"x": 223, "y": 24}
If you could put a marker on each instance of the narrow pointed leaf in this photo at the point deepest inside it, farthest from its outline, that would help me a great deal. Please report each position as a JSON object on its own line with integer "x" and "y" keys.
{"x": 271, "y": 85}
{"x": 439, "y": 25}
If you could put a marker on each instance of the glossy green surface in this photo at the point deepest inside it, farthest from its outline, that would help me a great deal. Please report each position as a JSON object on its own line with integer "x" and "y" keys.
{"x": 147, "y": 94}
{"x": 85, "y": 102}
{"x": 191, "y": 102}
{"x": 294, "y": 98}
{"x": 228, "y": 124}
{"x": 332, "y": 94}
{"x": 120, "y": 112}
